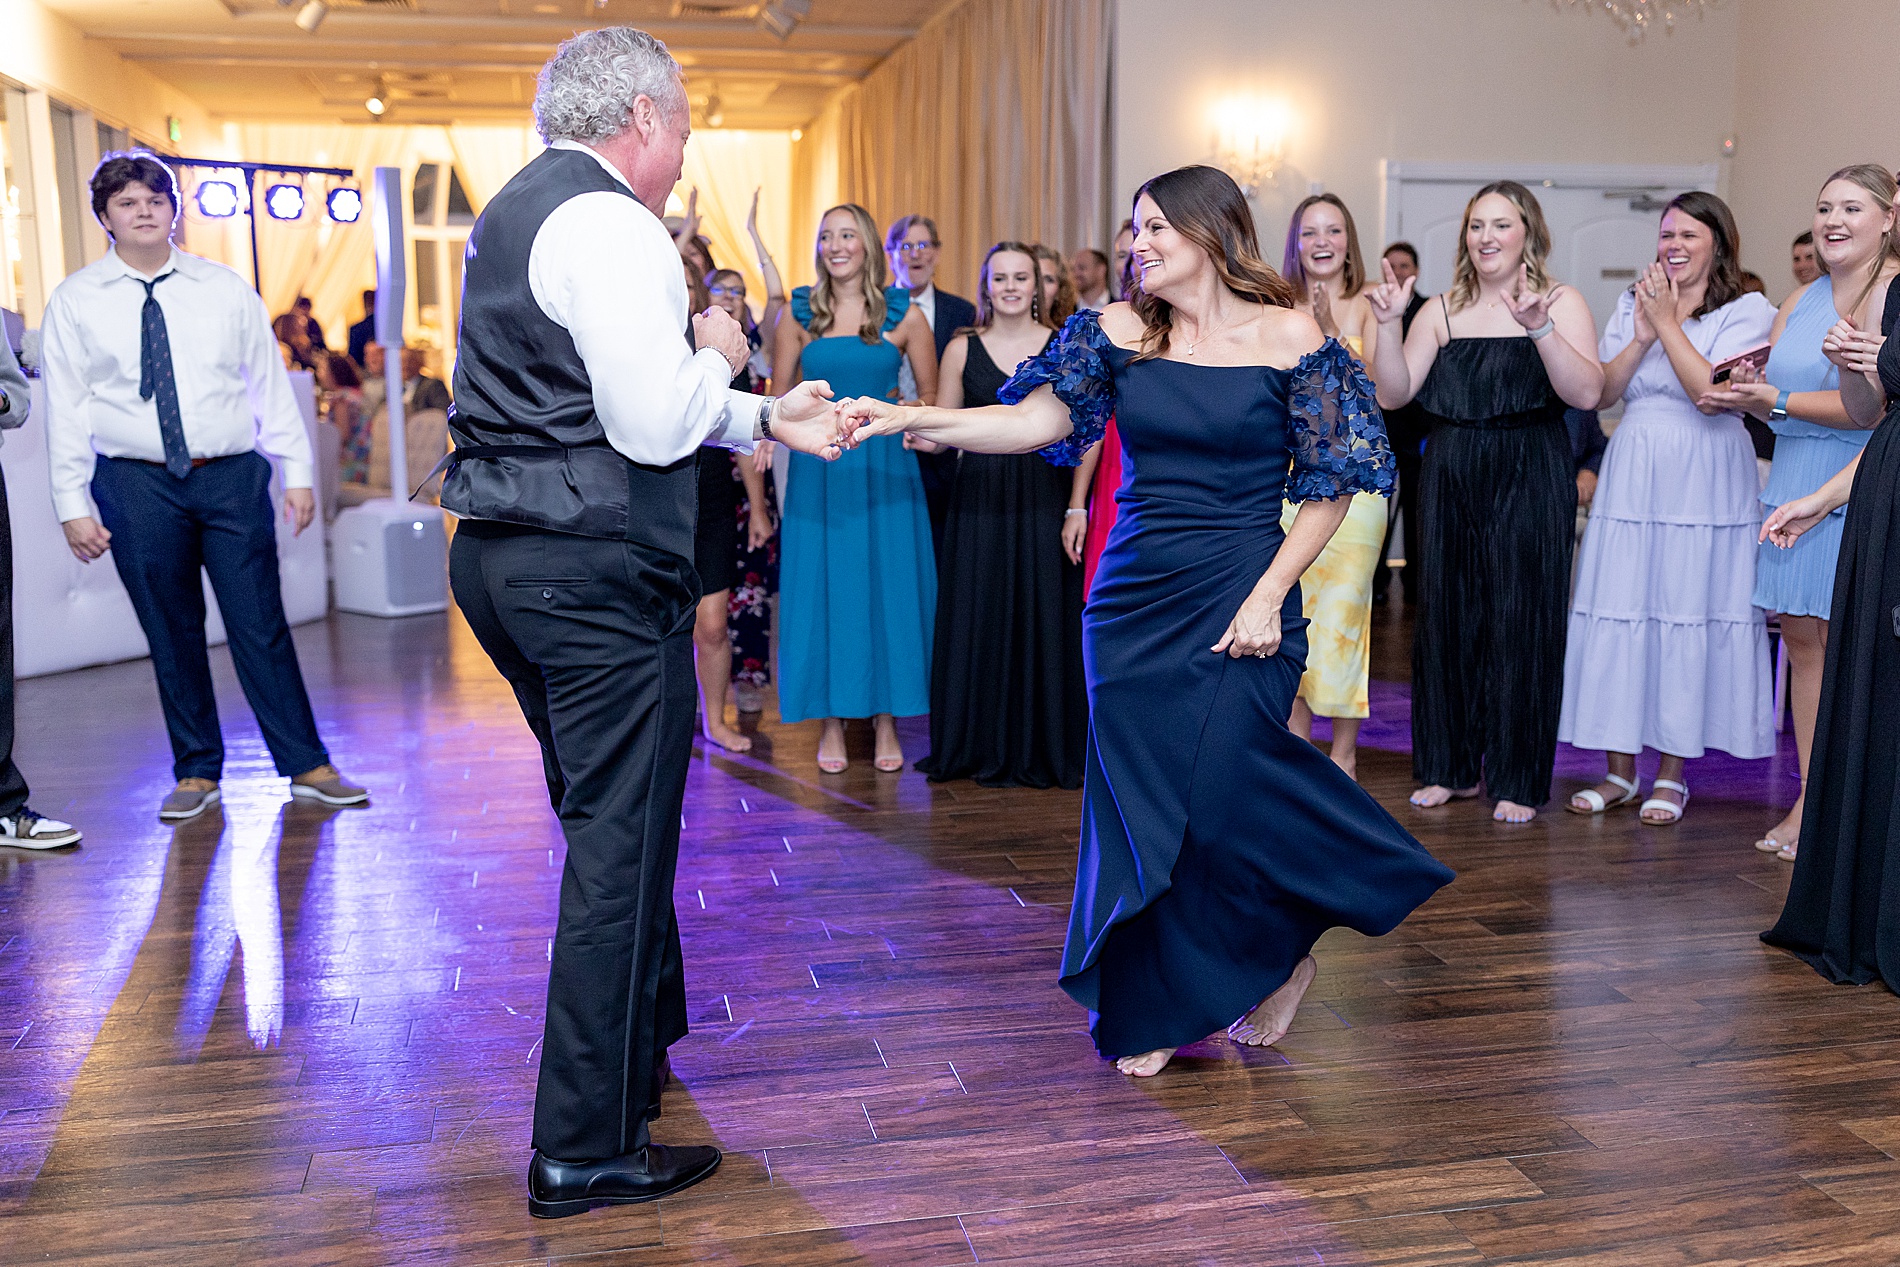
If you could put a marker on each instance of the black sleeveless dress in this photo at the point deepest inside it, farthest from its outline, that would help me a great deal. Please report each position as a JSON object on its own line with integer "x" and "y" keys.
{"x": 1497, "y": 520}
{"x": 1843, "y": 909}
{"x": 1008, "y": 704}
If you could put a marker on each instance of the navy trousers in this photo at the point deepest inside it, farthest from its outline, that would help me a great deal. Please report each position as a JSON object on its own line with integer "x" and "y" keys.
{"x": 218, "y": 519}
{"x": 12, "y": 782}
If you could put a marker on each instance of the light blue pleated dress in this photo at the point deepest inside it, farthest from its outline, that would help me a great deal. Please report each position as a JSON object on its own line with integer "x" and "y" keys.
{"x": 1800, "y": 581}
{"x": 857, "y": 571}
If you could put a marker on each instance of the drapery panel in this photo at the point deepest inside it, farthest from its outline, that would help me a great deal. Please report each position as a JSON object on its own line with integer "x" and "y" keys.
{"x": 994, "y": 121}
{"x": 726, "y": 166}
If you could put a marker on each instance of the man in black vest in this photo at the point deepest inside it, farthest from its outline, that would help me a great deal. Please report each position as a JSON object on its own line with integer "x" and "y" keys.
{"x": 579, "y": 410}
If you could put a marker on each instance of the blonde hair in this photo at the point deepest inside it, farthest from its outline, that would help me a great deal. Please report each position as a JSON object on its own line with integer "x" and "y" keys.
{"x": 870, "y": 279}
{"x": 1882, "y": 188}
{"x": 1464, "y": 277}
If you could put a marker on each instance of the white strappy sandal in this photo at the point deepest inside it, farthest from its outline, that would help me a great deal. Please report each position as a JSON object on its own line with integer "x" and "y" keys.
{"x": 1594, "y": 799}
{"x": 1673, "y": 810}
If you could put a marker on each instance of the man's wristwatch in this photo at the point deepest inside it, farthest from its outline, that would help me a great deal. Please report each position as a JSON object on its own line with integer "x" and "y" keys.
{"x": 1780, "y": 411}
{"x": 764, "y": 422}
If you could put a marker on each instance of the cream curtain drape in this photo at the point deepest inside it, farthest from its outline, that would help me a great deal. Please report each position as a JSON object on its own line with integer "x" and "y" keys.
{"x": 994, "y": 121}
{"x": 726, "y": 166}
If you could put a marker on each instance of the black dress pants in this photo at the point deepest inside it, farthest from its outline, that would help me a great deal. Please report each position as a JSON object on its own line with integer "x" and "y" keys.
{"x": 595, "y": 638}
{"x": 12, "y": 782}
{"x": 217, "y": 519}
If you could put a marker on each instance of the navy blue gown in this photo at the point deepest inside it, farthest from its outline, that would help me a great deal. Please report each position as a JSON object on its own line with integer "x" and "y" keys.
{"x": 1216, "y": 845}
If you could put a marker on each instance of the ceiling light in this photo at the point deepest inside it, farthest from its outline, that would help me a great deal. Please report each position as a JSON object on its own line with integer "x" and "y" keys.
{"x": 375, "y": 106}
{"x": 284, "y": 202}
{"x": 311, "y": 16}
{"x": 781, "y": 17}
{"x": 217, "y": 199}
{"x": 345, "y": 205}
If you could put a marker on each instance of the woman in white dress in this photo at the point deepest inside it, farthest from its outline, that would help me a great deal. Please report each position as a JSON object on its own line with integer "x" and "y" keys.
{"x": 1666, "y": 648}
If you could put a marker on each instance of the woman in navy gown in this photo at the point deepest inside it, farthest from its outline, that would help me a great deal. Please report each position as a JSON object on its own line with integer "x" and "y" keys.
{"x": 1216, "y": 846}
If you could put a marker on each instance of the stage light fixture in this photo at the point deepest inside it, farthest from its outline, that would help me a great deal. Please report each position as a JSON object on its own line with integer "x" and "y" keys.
{"x": 217, "y": 199}
{"x": 345, "y": 205}
{"x": 311, "y": 16}
{"x": 780, "y": 18}
{"x": 284, "y": 202}
{"x": 376, "y": 106}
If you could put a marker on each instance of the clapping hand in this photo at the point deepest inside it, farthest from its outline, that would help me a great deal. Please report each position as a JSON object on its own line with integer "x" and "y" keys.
{"x": 1390, "y": 298}
{"x": 1529, "y": 308}
{"x": 804, "y": 419}
{"x": 1656, "y": 296}
{"x": 752, "y": 217}
{"x": 1853, "y": 349}
{"x": 1323, "y": 312}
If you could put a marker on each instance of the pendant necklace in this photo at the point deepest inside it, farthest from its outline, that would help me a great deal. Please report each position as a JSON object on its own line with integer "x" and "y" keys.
{"x": 1203, "y": 337}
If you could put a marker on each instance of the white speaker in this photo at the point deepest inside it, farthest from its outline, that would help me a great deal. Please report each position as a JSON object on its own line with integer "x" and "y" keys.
{"x": 391, "y": 559}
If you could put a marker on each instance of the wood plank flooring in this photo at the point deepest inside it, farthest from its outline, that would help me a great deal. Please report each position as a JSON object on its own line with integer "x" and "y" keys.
{"x": 289, "y": 1035}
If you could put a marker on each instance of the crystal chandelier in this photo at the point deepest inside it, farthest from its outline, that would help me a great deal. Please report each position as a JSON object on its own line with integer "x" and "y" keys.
{"x": 1636, "y": 17}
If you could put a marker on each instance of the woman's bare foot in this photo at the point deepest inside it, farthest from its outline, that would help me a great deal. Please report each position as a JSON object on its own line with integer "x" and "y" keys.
{"x": 1436, "y": 794}
{"x": 890, "y": 753}
{"x": 1146, "y": 1065}
{"x": 726, "y": 737}
{"x": 1268, "y": 1023}
{"x": 1512, "y": 812}
{"x": 831, "y": 758}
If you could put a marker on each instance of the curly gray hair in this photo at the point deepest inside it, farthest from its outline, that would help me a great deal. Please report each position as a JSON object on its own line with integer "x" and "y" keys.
{"x": 587, "y": 90}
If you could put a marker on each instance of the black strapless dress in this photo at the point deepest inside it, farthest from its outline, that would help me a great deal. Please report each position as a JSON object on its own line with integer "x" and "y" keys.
{"x": 1843, "y": 909}
{"x": 1008, "y": 707}
{"x": 1497, "y": 522}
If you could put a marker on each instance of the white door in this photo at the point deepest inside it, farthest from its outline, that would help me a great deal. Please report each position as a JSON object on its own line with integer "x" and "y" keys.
{"x": 1602, "y": 219}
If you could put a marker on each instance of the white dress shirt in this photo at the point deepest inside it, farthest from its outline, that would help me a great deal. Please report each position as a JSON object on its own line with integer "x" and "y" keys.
{"x": 605, "y": 269}
{"x": 232, "y": 388}
{"x": 925, "y": 301}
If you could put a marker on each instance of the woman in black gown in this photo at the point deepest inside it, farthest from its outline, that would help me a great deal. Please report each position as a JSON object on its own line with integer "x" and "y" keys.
{"x": 1007, "y": 702}
{"x": 1493, "y": 362}
{"x": 1843, "y": 909}
{"x": 1216, "y": 846}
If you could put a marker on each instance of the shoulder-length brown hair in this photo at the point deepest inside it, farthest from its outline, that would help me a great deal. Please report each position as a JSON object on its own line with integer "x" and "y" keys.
{"x": 1065, "y": 301}
{"x": 1464, "y": 274}
{"x": 1881, "y": 187}
{"x": 1205, "y": 206}
{"x": 985, "y": 310}
{"x": 1293, "y": 266}
{"x": 1725, "y": 271}
{"x": 870, "y": 279}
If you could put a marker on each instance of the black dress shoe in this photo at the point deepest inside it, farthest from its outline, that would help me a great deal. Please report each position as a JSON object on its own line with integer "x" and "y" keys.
{"x": 557, "y": 1189}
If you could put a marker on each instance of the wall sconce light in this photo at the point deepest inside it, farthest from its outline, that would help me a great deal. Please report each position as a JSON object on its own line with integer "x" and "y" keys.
{"x": 1252, "y": 141}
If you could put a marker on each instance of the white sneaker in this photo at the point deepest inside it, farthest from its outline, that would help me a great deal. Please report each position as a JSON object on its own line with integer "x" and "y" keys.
{"x": 27, "y": 830}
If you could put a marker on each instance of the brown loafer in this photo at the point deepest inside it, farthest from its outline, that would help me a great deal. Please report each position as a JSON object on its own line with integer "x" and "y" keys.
{"x": 189, "y": 799}
{"x": 326, "y": 785}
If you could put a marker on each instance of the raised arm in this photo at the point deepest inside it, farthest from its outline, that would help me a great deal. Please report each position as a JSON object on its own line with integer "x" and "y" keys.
{"x": 774, "y": 284}
{"x": 1038, "y": 422}
{"x": 1397, "y": 362}
{"x": 1569, "y": 350}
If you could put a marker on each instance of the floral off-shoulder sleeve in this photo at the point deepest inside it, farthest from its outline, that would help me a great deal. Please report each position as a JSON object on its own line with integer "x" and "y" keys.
{"x": 1075, "y": 366}
{"x": 1335, "y": 430}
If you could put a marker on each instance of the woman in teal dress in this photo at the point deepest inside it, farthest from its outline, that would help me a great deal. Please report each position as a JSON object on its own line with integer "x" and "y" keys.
{"x": 857, "y": 573}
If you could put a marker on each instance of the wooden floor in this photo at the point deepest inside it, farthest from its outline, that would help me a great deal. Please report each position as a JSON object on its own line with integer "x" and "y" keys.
{"x": 282, "y": 1035}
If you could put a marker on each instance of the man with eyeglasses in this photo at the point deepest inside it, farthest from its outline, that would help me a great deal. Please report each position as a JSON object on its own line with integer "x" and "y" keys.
{"x": 912, "y": 245}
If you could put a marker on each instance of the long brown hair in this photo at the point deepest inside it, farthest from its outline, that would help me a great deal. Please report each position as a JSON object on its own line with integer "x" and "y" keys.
{"x": 1205, "y": 206}
{"x": 870, "y": 280}
{"x": 1293, "y": 265}
{"x": 1881, "y": 187}
{"x": 985, "y": 312}
{"x": 1725, "y": 271}
{"x": 1464, "y": 275}
{"x": 1065, "y": 301}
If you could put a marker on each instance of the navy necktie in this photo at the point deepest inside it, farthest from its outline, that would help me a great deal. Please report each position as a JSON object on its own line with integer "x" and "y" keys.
{"x": 156, "y": 379}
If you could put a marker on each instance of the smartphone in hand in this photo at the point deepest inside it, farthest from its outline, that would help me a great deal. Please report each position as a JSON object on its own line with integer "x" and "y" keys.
{"x": 1757, "y": 357}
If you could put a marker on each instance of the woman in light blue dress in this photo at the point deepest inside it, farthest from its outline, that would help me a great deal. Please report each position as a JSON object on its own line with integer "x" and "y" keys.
{"x": 857, "y": 571}
{"x": 1798, "y": 393}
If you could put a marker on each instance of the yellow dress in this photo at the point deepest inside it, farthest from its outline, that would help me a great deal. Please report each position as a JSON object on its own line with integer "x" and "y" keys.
{"x": 1336, "y": 592}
